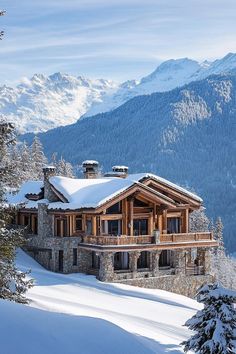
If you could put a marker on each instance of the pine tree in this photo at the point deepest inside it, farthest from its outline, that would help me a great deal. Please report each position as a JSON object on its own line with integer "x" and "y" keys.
{"x": 38, "y": 159}
{"x": 64, "y": 168}
{"x": 199, "y": 222}
{"x": 218, "y": 235}
{"x": 13, "y": 283}
{"x": 215, "y": 325}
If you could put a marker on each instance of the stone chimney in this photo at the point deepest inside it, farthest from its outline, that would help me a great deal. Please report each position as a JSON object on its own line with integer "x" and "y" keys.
{"x": 49, "y": 171}
{"x": 90, "y": 169}
{"x": 118, "y": 171}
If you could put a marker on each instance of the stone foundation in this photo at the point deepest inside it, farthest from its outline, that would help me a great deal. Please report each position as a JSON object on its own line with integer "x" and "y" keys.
{"x": 183, "y": 285}
{"x": 46, "y": 252}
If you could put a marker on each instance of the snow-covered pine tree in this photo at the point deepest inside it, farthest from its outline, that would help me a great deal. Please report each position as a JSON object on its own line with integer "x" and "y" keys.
{"x": 215, "y": 325}
{"x": 218, "y": 235}
{"x": 198, "y": 221}
{"x": 38, "y": 159}
{"x": 13, "y": 283}
{"x": 223, "y": 266}
{"x": 64, "y": 168}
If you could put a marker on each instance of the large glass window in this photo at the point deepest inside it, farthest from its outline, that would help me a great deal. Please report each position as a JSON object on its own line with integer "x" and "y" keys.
{"x": 144, "y": 260}
{"x": 112, "y": 227}
{"x": 165, "y": 258}
{"x": 78, "y": 223}
{"x": 140, "y": 227}
{"x": 114, "y": 209}
{"x": 173, "y": 225}
{"x": 121, "y": 261}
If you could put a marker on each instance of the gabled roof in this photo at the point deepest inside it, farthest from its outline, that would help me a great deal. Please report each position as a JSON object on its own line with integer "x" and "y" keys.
{"x": 94, "y": 193}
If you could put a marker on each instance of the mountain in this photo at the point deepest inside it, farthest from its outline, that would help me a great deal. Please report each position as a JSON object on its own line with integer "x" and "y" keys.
{"x": 43, "y": 103}
{"x": 169, "y": 75}
{"x": 186, "y": 135}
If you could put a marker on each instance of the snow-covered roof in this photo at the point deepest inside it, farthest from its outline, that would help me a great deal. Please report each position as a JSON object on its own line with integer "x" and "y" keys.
{"x": 29, "y": 187}
{"x": 91, "y": 193}
{"x": 87, "y": 193}
{"x": 140, "y": 176}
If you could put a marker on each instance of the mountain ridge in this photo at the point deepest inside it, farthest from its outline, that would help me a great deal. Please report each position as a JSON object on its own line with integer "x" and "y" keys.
{"x": 45, "y": 102}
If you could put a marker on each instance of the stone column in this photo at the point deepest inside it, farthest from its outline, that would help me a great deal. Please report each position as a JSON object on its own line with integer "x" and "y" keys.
{"x": 207, "y": 263}
{"x": 44, "y": 221}
{"x": 155, "y": 255}
{"x": 106, "y": 270}
{"x": 180, "y": 262}
{"x": 133, "y": 259}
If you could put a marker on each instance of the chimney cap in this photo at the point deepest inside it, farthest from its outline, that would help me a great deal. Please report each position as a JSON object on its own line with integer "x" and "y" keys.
{"x": 118, "y": 168}
{"x": 90, "y": 162}
{"x": 49, "y": 168}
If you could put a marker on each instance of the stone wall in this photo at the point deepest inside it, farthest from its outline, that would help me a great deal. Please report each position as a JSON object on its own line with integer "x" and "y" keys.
{"x": 183, "y": 285}
{"x": 46, "y": 252}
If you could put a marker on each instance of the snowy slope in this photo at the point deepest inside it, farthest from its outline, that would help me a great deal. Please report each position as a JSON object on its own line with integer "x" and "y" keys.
{"x": 77, "y": 314}
{"x": 42, "y": 103}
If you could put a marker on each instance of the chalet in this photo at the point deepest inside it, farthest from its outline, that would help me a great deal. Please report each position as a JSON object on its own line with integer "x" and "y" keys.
{"x": 130, "y": 228}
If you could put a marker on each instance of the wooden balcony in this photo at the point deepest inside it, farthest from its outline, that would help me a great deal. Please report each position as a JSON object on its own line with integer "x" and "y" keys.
{"x": 122, "y": 240}
{"x": 188, "y": 237}
{"x": 118, "y": 240}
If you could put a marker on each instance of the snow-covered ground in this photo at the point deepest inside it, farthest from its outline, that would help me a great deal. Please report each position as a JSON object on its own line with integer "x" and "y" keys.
{"x": 78, "y": 314}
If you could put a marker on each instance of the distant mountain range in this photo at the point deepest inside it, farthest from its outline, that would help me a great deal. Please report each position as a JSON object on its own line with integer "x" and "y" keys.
{"x": 187, "y": 135}
{"x": 45, "y": 102}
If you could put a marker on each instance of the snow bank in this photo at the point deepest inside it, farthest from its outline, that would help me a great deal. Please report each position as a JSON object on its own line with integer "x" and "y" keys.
{"x": 77, "y": 314}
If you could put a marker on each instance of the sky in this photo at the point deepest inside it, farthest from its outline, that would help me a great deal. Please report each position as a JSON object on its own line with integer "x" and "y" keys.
{"x": 114, "y": 39}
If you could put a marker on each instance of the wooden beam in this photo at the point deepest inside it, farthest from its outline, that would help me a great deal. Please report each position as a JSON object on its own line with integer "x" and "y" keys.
{"x": 94, "y": 225}
{"x": 164, "y": 221}
{"x": 131, "y": 218}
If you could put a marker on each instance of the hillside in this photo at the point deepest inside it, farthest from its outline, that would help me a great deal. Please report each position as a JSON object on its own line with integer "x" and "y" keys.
{"x": 186, "y": 135}
{"x": 78, "y": 314}
{"x": 45, "y": 102}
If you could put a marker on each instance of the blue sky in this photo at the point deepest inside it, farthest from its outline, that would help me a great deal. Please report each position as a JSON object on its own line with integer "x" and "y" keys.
{"x": 116, "y": 39}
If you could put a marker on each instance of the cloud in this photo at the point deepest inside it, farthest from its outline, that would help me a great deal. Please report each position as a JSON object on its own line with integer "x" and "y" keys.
{"x": 96, "y": 35}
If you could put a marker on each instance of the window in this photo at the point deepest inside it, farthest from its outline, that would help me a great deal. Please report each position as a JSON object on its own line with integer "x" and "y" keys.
{"x": 112, "y": 227}
{"x": 95, "y": 261}
{"x": 140, "y": 227}
{"x": 78, "y": 224}
{"x": 121, "y": 261}
{"x": 88, "y": 227}
{"x": 173, "y": 225}
{"x": 164, "y": 260}
{"x": 26, "y": 220}
{"x": 144, "y": 260}
{"x": 139, "y": 203}
{"x": 60, "y": 261}
{"x": 114, "y": 209}
{"x": 75, "y": 256}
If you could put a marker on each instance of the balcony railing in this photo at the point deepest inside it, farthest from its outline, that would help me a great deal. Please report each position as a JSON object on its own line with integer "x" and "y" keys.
{"x": 146, "y": 239}
{"x": 118, "y": 240}
{"x": 188, "y": 237}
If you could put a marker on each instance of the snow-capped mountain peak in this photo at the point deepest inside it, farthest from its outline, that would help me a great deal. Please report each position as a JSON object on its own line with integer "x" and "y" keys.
{"x": 45, "y": 102}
